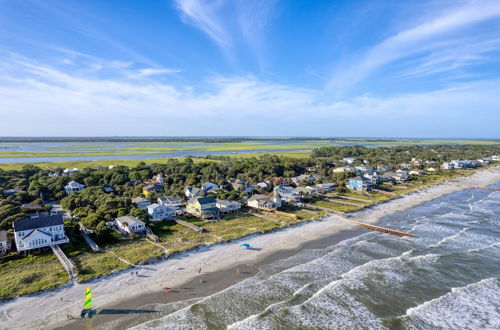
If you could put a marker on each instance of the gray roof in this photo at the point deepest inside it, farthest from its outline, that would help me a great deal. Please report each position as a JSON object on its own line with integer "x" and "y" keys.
{"x": 170, "y": 199}
{"x": 203, "y": 200}
{"x": 225, "y": 202}
{"x": 3, "y": 235}
{"x": 40, "y": 222}
{"x": 128, "y": 219}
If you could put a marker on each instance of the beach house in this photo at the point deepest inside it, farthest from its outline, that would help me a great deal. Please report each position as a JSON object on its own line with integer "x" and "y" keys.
{"x": 141, "y": 203}
{"x": 173, "y": 202}
{"x": 305, "y": 179}
{"x": 72, "y": 187}
{"x": 38, "y": 232}
{"x": 360, "y": 183}
{"x": 209, "y": 187}
{"x": 130, "y": 225}
{"x": 150, "y": 189}
{"x": 227, "y": 206}
{"x": 326, "y": 187}
{"x": 343, "y": 169}
{"x": 237, "y": 184}
{"x": 203, "y": 207}
{"x": 191, "y": 192}
{"x": 287, "y": 194}
{"x": 363, "y": 169}
{"x": 159, "y": 212}
{"x": 264, "y": 202}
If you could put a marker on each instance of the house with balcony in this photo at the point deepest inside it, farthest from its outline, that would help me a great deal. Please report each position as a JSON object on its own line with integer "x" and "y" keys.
{"x": 130, "y": 225}
{"x": 287, "y": 194}
{"x": 39, "y": 232}
{"x": 203, "y": 207}
{"x": 264, "y": 202}
{"x": 360, "y": 183}
{"x": 227, "y": 206}
{"x": 140, "y": 202}
{"x": 73, "y": 187}
{"x": 191, "y": 192}
{"x": 363, "y": 169}
{"x": 326, "y": 187}
{"x": 159, "y": 212}
{"x": 174, "y": 202}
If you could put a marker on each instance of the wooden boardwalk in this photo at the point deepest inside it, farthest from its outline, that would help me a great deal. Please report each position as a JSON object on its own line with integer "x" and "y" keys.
{"x": 190, "y": 226}
{"x": 354, "y": 199}
{"x": 67, "y": 264}
{"x": 85, "y": 234}
{"x": 266, "y": 217}
{"x": 343, "y": 203}
{"x": 326, "y": 209}
{"x": 381, "y": 229}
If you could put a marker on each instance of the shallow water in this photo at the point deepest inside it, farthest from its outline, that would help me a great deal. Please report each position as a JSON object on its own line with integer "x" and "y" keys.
{"x": 446, "y": 277}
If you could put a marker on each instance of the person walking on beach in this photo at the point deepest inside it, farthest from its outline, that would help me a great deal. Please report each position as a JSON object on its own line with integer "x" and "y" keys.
{"x": 238, "y": 271}
{"x": 199, "y": 271}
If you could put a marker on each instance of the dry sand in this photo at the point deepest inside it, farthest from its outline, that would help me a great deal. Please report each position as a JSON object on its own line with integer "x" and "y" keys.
{"x": 46, "y": 309}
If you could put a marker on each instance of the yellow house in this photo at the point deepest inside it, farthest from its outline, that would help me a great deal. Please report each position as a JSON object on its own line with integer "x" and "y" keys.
{"x": 148, "y": 190}
{"x": 203, "y": 207}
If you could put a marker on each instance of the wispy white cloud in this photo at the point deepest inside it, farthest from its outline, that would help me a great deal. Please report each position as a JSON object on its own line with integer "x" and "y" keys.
{"x": 229, "y": 22}
{"x": 204, "y": 16}
{"x": 425, "y": 37}
{"x": 86, "y": 104}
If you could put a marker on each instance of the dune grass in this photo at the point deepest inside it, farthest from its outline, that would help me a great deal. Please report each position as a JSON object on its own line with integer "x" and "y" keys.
{"x": 21, "y": 275}
{"x": 91, "y": 265}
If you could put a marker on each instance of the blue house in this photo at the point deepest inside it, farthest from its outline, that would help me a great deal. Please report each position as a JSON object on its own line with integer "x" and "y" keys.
{"x": 360, "y": 183}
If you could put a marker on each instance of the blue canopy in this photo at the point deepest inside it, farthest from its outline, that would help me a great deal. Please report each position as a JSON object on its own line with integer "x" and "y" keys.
{"x": 245, "y": 245}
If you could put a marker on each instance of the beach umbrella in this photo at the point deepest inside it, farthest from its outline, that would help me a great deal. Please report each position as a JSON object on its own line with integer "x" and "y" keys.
{"x": 245, "y": 245}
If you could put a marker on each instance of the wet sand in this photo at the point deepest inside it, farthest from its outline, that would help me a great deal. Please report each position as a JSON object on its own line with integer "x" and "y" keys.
{"x": 202, "y": 285}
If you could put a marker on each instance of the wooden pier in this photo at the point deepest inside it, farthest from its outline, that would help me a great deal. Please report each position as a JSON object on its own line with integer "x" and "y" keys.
{"x": 381, "y": 229}
{"x": 487, "y": 188}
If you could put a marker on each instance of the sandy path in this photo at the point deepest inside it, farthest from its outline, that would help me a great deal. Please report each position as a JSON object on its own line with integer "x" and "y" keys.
{"x": 47, "y": 308}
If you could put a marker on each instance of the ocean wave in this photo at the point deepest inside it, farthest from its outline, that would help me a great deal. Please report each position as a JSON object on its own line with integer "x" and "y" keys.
{"x": 474, "y": 306}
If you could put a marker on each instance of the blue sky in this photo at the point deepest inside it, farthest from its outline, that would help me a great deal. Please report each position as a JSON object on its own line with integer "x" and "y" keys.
{"x": 252, "y": 68}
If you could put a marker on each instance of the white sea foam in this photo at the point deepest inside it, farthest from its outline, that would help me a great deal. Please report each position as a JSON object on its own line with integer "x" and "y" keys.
{"x": 475, "y": 306}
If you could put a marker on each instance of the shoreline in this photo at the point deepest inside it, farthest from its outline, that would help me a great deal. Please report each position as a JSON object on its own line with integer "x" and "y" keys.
{"x": 32, "y": 312}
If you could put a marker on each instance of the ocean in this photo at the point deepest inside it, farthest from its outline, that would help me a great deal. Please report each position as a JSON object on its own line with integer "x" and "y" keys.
{"x": 446, "y": 277}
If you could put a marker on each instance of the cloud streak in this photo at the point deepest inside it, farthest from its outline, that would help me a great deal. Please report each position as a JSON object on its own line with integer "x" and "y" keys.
{"x": 204, "y": 16}
{"x": 85, "y": 104}
{"x": 427, "y": 37}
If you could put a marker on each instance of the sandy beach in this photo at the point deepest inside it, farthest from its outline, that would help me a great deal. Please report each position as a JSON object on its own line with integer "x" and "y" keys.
{"x": 46, "y": 309}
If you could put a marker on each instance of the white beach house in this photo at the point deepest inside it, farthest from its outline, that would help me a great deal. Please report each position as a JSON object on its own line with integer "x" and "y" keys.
{"x": 33, "y": 233}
